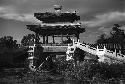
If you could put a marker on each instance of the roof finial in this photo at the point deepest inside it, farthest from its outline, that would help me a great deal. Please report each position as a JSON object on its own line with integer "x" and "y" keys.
{"x": 57, "y": 7}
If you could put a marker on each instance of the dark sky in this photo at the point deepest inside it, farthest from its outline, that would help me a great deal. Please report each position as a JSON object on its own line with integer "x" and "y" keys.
{"x": 98, "y": 15}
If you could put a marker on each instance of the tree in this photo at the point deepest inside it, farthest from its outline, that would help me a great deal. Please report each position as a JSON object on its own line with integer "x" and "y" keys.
{"x": 27, "y": 39}
{"x": 79, "y": 55}
{"x": 8, "y": 42}
{"x": 102, "y": 39}
{"x": 117, "y": 36}
{"x": 8, "y": 49}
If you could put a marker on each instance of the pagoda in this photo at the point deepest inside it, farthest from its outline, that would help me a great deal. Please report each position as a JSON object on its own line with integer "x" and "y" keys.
{"x": 56, "y": 24}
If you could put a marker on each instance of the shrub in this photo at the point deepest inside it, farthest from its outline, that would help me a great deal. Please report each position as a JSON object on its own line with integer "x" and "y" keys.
{"x": 88, "y": 69}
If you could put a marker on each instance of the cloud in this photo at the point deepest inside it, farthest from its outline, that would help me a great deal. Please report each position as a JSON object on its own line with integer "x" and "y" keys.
{"x": 123, "y": 27}
{"x": 91, "y": 8}
{"x": 106, "y": 31}
{"x": 8, "y": 13}
{"x": 106, "y": 19}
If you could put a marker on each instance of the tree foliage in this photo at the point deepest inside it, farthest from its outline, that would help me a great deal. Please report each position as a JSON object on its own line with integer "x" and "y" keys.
{"x": 10, "y": 53}
{"x": 89, "y": 69}
{"x": 117, "y": 36}
{"x": 79, "y": 55}
{"x": 27, "y": 39}
{"x": 102, "y": 39}
{"x": 8, "y": 42}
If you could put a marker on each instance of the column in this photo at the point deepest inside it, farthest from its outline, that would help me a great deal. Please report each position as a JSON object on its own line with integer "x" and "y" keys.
{"x": 43, "y": 39}
{"x": 37, "y": 38}
{"x": 73, "y": 36}
{"x": 53, "y": 39}
{"x": 77, "y": 37}
{"x": 62, "y": 39}
{"x": 46, "y": 39}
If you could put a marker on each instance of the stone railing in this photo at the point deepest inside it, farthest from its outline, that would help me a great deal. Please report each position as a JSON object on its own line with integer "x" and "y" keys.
{"x": 99, "y": 52}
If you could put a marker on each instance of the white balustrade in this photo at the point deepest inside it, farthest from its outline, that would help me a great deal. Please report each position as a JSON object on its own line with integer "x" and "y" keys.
{"x": 97, "y": 51}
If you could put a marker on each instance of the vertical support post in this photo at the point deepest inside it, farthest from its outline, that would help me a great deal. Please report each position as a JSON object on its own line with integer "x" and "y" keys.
{"x": 36, "y": 38}
{"x": 61, "y": 39}
{"x": 73, "y": 36}
{"x": 77, "y": 37}
{"x": 53, "y": 39}
{"x": 46, "y": 39}
{"x": 43, "y": 39}
{"x": 115, "y": 52}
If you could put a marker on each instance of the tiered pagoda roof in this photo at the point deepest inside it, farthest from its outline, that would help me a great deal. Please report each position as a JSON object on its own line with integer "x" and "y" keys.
{"x": 57, "y": 16}
{"x": 57, "y": 23}
{"x": 57, "y": 29}
{"x": 53, "y": 17}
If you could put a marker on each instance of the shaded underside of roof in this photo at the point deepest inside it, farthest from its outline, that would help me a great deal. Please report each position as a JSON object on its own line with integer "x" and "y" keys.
{"x": 56, "y": 30}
